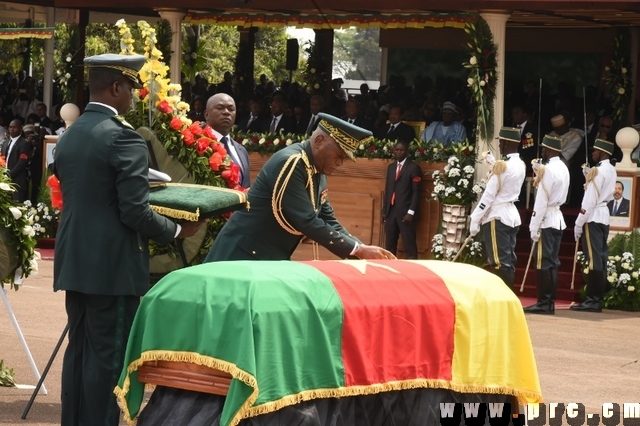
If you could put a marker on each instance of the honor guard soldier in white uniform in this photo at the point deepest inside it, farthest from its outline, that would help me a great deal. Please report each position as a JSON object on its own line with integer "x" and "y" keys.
{"x": 547, "y": 222}
{"x": 592, "y": 224}
{"x": 496, "y": 212}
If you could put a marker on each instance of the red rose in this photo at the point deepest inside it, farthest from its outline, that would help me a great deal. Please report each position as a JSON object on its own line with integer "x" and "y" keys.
{"x": 269, "y": 143}
{"x": 202, "y": 145}
{"x": 165, "y": 107}
{"x": 239, "y": 140}
{"x": 219, "y": 148}
{"x": 282, "y": 141}
{"x": 143, "y": 93}
{"x": 421, "y": 150}
{"x": 372, "y": 148}
{"x": 231, "y": 175}
{"x": 196, "y": 129}
{"x": 176, "y": 123}
{"x": 187, "y": 137}
{"x": 486, "y": 51}
{"x": 255, "y": 139}
{"x": 465, "y": 152}
{"x": 215, "y": 161}
{"x": 208, "y": 132}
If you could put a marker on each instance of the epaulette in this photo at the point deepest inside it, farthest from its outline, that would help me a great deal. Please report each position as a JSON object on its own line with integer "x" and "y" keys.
{"x": 592, "y": 174}
{"x": 539, "y": 174}
{"x": 120, "y": 119}
{"x": 499, "y": 168}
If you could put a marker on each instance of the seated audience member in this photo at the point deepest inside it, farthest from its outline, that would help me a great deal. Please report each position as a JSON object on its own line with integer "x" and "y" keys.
{"x": 396, "y": 129}
{"x": 446, "y": 131}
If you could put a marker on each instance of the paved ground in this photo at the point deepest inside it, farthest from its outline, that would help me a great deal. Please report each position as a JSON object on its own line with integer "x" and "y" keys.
{"x": 586, "y": 358}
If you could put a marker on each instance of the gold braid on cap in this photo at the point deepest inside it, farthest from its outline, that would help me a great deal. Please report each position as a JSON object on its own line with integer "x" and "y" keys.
{"x": 127, "y": 72}
{"x": 279, "y": 189}
{"x": 341, "y": 137}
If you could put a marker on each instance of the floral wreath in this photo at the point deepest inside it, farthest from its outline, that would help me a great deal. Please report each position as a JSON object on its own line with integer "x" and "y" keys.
{"x": 158, "y": 105}
{"x": 18, "y": 230}
{"x": 483, "y": 77}
{"x": 617, "y": 79}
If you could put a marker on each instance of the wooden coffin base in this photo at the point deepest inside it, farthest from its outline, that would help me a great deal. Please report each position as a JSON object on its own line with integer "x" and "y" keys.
{"x": 184, "y": 375}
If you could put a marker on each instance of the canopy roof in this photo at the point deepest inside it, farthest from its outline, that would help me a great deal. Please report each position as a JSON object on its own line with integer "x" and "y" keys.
{"x": 312, "y": 13}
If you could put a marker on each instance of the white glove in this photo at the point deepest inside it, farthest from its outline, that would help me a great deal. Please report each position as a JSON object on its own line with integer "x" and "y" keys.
{"x": 585, "y": 169}
{"x": 577, "y": 232}
{"x": 535, "y": 164}
{"x": 535, "y": 236}
{"x": 474, "y": 228}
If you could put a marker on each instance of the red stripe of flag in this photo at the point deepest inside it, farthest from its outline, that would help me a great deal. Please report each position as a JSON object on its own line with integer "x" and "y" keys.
{"x": 397, "y": 325}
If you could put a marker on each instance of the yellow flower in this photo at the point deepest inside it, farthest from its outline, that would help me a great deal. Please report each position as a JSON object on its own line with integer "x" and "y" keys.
{"x": 183, "y": 106}
{"x": 186, "y": 121}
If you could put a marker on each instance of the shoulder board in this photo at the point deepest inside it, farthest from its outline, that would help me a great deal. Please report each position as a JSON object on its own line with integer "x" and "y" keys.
{"x": 499, "y": 168}
{"x": 539, "y": 174}
{"x": 120, "y": 120}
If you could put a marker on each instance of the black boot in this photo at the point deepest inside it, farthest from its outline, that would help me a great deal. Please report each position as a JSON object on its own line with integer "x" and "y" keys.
{"x": 595, "y": 293}
{"x": 508, "y": 276}
{"x": 545, "y": 286}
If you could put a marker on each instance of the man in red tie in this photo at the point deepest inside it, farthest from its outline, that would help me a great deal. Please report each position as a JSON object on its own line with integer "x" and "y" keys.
{"x": 401, "y": 201}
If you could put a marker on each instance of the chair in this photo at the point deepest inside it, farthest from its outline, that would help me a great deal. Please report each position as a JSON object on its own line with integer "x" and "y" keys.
{"x": 418, "y": 126}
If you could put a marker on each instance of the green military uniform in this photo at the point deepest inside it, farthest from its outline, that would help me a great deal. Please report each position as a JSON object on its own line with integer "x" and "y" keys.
{"x": 101, "y": 254}
{"x": 288, "y": 200}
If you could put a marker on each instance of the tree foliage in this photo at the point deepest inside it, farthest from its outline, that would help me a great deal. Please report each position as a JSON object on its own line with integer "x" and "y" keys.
{"x": 357, "y": 54}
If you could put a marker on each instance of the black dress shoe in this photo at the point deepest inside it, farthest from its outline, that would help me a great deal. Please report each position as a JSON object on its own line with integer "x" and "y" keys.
{"x": 542, "y": 309}
{"x": 587, "y": 307}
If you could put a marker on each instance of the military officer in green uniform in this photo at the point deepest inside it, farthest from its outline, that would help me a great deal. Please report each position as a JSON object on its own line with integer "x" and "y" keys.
{"x": 289, "y": 200}
{"x": 101, "y": 254}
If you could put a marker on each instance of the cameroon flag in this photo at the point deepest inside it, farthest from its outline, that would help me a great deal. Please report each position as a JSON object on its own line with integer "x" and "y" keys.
{"x": 294, "y": 331}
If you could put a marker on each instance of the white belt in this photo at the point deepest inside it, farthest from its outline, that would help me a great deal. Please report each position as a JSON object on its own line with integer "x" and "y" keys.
{"x": 495, "y": 207}
{"x": 552, "y": 209}
{"x": 602, "y": 204}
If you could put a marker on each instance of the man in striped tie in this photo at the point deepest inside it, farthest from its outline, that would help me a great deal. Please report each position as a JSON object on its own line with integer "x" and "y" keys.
{"x": 221, "y": 115}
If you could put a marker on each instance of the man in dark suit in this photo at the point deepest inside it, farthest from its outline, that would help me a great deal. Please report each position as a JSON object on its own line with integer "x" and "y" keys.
{"x": 101, "y": 253}
{"x": 220, "y": 115}
{"x": 17, "y": 151}
{"x": 289, "y": 200}
{"x": 278, "y": 122}
{"x": 316, "y": 104}
{"x": 352, "y": 111}
{"x": 396, "y": 130}
{"x": 401, "y": 201}
{"x": 619, "y": 206}
{"x": 254, "y": 122}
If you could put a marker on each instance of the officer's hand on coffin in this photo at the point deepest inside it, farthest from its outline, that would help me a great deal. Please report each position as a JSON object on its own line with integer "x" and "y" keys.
{"x": 190, "y": 228}
{"x": 373, "y": 252}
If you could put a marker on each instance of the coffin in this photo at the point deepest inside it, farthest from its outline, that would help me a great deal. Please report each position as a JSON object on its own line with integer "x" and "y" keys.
{"x": 272, "y": 335}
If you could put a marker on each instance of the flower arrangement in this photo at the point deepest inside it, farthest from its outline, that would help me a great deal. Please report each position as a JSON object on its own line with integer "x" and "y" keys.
{"x": 315, "y": 79}
{"x": 437, "y": 152}
{"x": 17, "y": 232}
{"x": 158, "y": 106}
{"x": 618, "y": 80}
{"x": 266, "y": 143}
{"x": 623, "y": 272}
{"x": 66, "y": 69}
{"x": 483, "y": 77}
{"x": 193, "y": 58}
{"x": 455, "y": 184}
{"x": 473, "y": 253}
{"x": 43, "y": 218}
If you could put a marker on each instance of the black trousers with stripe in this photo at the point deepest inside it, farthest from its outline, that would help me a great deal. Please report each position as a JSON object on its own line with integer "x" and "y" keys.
{"x": 547, "y": 249}
{"x": 500, "y": 244}
{"x": 99, "y": 328}
{"x": 594, "y": 245}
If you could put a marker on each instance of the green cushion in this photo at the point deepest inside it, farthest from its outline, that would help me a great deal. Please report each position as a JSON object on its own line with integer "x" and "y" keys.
{"x": 194, "y": 202}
